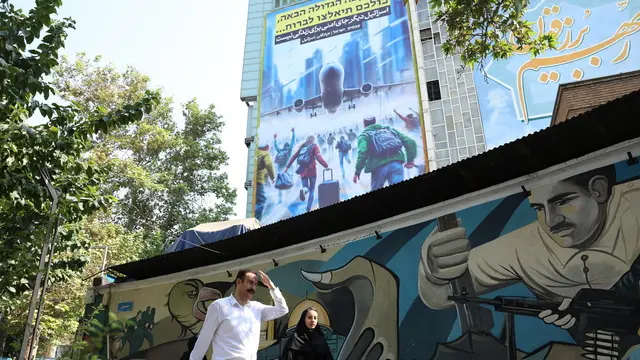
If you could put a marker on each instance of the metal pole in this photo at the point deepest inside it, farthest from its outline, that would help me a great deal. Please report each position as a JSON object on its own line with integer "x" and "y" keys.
{"x": 104, "y": 256}
{"x": 104, "y": 260}
{"x": 44, "y": 287}
{"x": 43, "y": 256}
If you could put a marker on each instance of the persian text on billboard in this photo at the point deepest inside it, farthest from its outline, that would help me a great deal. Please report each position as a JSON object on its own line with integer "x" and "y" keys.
{"x": 339, "y": 107}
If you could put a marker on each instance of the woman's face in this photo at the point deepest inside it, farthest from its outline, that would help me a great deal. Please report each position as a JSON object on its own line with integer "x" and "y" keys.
{"x": 311, "y": 320}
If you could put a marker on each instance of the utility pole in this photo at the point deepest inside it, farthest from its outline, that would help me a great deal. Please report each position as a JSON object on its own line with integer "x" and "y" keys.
{"x": 30, "y": 335}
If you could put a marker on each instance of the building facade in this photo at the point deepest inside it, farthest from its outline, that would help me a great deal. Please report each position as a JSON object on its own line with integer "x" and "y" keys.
{"x": 452, "y": 109}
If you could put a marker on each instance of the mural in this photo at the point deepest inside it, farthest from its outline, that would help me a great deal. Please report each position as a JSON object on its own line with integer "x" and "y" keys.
{"x": 549, "y": 274}
{"x": 338, "y": 91}
{"x": 595, "y": 39}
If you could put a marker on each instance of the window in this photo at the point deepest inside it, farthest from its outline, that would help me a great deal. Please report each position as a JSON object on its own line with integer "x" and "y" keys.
{"x": 425, "y": 34}
{"x": 433, "y": 90}
{"x": 436, "y": 39}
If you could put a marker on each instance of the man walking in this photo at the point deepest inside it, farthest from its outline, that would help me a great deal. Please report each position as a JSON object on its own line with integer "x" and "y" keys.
{"x": 380, "y": 153}
{"x": 232, "y": 324}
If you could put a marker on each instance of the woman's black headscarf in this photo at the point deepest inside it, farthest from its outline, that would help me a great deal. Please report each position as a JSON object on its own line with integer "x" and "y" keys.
{"x": 307, "y": 340}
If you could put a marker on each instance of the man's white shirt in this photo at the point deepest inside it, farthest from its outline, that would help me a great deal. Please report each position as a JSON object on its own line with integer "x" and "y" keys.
{"x": 233, "y": 330}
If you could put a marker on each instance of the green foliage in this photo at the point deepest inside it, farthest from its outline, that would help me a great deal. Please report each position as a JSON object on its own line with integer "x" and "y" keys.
{"x": 477, "y": 30}
{"x": 167, "y": 178}
{"x": 29, "y": 46}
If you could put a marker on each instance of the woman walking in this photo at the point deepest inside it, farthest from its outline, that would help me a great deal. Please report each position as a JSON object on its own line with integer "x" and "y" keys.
{"x": 307, "y": 342}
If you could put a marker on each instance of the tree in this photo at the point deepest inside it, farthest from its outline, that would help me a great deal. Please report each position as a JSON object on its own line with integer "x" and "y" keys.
{"x": 29, "y": 45}
{"x": 167, "y": 178}
{"x": 477, "y": 30}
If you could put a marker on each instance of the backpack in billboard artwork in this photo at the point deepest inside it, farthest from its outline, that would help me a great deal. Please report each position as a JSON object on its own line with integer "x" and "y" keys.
{"x": 344, "y": 146}
{"x": 281, "y": 157}
{"x": 304, "y": 156}
{"x": 384, "y": 142}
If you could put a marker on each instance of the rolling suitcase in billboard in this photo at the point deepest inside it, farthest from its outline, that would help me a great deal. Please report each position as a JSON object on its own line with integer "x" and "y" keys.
{"x": 328, "y": 190}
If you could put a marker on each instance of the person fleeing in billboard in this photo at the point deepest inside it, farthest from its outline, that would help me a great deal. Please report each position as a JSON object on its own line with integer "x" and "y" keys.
{"x": 353, "y": 137}
{"x": 330, "y": 140}
{"x": 411, "y": 121}
{"x": 380, "y": 153}
{"x": 265, "y": 168}
{"x": 343, "y": 147}
{"x": 283, "y": 154}
{"x": 232, "y": 324}
{"x": 307, "y": 155}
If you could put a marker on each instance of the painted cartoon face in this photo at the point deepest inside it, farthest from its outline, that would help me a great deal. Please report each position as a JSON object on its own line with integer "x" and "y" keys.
{"x": 205, "y": 297}
{"x": 569, "y": 213}
{"x": 311, "y": 320}
{"x": 182, "y": 298}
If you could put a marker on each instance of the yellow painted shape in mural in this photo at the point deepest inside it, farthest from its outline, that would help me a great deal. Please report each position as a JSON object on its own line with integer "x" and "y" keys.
{"x": 546, "y": 11}
{"x": 554, "y": 76}
{"x": 577, "y": 74}
{"x": 587, "y": 13}
{"x": 568, "y": 21}
{"x": 622, "y": 5}
{"x": 624, "y": 53}
{"x": 543, "y": 78}
{"x": 595, "y": 61}
{"x": 555, "y": 9}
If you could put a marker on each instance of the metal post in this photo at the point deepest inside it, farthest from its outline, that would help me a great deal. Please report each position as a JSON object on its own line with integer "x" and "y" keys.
{"x": 44, "y": 287}
{"x": 104, "y": 256}
{"x": 43, "y": 256}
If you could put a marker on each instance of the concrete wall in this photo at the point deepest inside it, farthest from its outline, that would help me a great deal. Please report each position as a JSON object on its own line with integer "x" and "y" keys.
{"x": 573, "y": 242}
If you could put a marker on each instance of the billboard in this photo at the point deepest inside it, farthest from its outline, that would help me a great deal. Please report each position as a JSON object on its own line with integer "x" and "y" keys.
{"x": 339, "y": 107}
{"x": 595, "y": 39}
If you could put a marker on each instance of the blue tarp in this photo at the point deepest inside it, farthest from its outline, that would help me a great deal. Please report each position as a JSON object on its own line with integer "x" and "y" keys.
{"x": 212, "y": 232}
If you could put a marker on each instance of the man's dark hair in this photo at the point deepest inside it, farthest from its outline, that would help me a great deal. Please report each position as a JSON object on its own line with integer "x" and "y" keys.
{"x": 582, "y": 180}
{"x": 243, "y": 272}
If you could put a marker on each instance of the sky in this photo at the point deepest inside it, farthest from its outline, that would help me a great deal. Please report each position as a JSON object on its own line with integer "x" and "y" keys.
{"x": 190, "y": 48}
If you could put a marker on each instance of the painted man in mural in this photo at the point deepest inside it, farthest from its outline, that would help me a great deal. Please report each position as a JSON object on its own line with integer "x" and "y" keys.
{"x": 587, "y": 236}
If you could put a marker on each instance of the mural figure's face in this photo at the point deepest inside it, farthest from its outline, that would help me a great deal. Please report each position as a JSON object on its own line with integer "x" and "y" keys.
{"x": 245, "y": 288}
{"x": 311, "y": 320}
{"x": 205, "y": 297}
{"x": 572, "y": 215}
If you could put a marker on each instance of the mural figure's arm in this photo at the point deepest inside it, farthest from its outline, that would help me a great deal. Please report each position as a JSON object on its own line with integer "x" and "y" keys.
{"x": 293, "y": 158}
{"x": 318, "y": 156}
{"x": 361, "y": 159}
{"x": 410, "y": 146}
{"x": 211, "y": 323}
{"x": 447, "y": 255}
{"x": 268, "y": 162}
{"x": 280, "y": 309}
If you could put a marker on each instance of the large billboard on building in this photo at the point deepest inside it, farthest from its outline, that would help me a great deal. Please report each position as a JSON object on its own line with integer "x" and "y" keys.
{"x": 595, "y": 39}
{"x": 339, "y": 105}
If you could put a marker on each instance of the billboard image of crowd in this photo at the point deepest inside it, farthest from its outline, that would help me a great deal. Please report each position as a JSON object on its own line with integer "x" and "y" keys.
{"x": 339, "y": 106}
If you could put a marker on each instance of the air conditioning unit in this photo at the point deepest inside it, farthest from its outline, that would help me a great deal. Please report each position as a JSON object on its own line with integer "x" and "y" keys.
{"x": 249, "y": 140}
{"x": 247, "y": 185}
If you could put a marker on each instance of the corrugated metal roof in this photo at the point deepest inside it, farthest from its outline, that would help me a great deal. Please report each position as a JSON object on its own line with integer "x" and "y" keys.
{"x": 602, "y": 127}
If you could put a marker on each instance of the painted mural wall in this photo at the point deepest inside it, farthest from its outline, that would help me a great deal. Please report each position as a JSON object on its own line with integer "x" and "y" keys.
{"x": 595, "y": 38}
{"x": 553, "y": 274}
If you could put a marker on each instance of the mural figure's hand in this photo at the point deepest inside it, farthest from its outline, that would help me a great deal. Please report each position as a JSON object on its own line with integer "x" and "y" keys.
{"x": 551, "y": 317}
{"x": 444, "y": 255}
{"x": 374, "y": 333}
{"x": 602, "y": 345}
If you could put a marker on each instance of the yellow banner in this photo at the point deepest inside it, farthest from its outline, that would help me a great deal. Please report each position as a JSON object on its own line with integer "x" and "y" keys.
{"x": 324, "y": 11}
